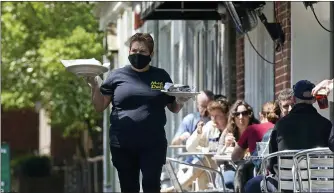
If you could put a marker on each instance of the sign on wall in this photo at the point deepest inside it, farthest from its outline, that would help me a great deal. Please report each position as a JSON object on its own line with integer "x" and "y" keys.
{"x": 5, "y": 168}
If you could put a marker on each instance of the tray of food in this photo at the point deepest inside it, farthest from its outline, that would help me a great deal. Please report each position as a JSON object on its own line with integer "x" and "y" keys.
{"x": 179, "y": 90}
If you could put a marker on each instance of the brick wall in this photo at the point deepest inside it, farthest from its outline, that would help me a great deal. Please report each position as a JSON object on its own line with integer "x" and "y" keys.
{"x": 19, "y": 128}
{"x": 240, "y": 68}
{"x": 283, "y": 57}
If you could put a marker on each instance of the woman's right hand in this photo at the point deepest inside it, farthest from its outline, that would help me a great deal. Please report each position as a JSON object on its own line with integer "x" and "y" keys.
{"x": 229, "y": 139}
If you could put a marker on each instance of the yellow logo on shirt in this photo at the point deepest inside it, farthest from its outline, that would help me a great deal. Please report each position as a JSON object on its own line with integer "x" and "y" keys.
{"x": 157, "y": 85}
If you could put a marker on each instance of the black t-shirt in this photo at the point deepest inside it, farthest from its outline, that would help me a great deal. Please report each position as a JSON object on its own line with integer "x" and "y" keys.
{"x": 138, "y": 112}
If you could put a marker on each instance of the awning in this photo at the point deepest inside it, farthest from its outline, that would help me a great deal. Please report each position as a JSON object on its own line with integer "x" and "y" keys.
{"x": 180, "y": 10}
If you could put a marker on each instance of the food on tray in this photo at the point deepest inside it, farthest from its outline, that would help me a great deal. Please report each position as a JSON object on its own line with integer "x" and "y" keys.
{"x": 179, "y": 88}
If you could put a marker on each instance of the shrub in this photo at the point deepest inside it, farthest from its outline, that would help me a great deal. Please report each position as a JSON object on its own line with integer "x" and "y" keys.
{"x": 33, "y": 166}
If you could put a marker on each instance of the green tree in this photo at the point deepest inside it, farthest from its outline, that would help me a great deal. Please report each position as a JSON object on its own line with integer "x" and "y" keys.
{"x": 35, "y": 36}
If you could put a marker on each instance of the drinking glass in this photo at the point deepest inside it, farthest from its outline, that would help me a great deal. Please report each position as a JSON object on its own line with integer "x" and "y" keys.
{"x": 322, "y": 99}
{"x": 262, "y": 148}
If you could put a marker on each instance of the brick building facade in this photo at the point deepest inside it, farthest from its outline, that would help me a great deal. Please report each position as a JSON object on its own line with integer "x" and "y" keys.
{"x": 20, "y": 129}
{"x": 282, "y": 58}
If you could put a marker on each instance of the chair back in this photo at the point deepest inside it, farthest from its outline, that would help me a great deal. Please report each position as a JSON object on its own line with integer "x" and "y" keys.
{"x": 176, "y": 183}
{"x": 284, "y": 166}
{"x": 173, "y": 178}
{"x": 314, "y": 170}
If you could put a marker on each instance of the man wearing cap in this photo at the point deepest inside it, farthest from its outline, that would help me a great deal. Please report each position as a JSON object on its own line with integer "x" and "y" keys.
{"x": 303, "y": 123}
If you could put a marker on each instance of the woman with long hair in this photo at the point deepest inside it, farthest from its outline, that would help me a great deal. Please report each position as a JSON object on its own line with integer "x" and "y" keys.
{"x": 241, "y": 115}
{"x": 269, "y": 115}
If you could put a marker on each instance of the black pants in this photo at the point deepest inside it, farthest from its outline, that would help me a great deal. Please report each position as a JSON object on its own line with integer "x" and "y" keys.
{"x": 130, "y": 161}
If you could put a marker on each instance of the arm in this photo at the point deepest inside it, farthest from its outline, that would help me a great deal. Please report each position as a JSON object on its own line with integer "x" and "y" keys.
{"x": 183, "y": 130}
{"x": 174, "y": 107}
{"x": 198, "y": 138}
{"x": 238, "y": 153}
{"x": 99, "y": 101}
{"x": 241, "y": 146}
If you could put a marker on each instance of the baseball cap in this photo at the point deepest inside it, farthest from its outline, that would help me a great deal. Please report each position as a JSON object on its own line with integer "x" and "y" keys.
{"x": 301, "y": 88}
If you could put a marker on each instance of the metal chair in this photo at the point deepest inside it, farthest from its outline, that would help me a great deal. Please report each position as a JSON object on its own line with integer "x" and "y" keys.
{"x": 314, "y": 169}
{"x": 176, "y": 183}
{"x": 173, "y": 178}
{"x": 285, "y": 165}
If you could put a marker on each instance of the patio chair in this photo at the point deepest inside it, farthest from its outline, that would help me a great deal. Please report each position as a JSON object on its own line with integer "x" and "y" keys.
{"x": 284, "y": 166}
{"x": 176, "y": 183}
{"x": 314, "y": 170}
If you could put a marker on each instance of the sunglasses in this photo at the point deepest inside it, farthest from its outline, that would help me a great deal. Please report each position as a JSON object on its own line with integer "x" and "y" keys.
{"x": 243, "y": 113}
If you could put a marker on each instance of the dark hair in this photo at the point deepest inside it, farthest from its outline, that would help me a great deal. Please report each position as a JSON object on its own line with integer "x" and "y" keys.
{"x": 231, "y": 126}
{"x": 143, "y": 37}
{"x": 219, "y": 96}
{"x": 220, "y": 104}
{"x": 271, "y": 111}
{"x": 209, "y": 94}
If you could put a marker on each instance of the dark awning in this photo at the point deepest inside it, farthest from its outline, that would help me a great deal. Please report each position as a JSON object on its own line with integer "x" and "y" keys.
{"x": 180, "y": 10}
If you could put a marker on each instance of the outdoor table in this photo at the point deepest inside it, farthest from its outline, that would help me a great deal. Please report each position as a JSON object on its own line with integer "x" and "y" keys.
{"x": 176, "y": 149}
{"x": 224, "y": 158}
{"x": 177, "y": 146}
{"x": 198, "y": 154}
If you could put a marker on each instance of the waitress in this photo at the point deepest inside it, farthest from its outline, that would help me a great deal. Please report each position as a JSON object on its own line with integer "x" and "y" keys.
{"x": 137, "y": 136}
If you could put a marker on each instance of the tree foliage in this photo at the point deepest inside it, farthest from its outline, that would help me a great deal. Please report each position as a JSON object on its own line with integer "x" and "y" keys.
{"x": 35, "y": 36}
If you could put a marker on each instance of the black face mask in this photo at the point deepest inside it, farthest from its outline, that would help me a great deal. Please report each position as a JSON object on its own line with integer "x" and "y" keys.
{"x": 139, "y": 61}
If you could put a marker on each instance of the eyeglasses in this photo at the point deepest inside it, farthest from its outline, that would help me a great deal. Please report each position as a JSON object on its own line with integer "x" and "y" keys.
{"x": 243, "y": 113}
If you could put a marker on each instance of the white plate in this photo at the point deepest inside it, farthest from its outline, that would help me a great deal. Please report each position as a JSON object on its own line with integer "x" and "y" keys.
{"x": 87, "y": 69}
{"x": 181, "y": 94}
